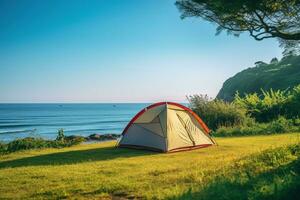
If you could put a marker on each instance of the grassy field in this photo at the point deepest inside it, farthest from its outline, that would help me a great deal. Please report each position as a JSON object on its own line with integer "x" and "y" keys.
{"x": 100, "y": 171}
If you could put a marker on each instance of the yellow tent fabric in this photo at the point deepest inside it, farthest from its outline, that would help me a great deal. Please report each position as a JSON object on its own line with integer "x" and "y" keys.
{"x": 166, "y": 127}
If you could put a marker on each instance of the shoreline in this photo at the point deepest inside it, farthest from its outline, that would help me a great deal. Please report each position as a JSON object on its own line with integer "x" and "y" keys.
{"x": 93, "y": 138}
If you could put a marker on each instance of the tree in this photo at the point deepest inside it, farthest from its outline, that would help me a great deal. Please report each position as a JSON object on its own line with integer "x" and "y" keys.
{"x": 260, "y": 63}
{"x": 274, "y": 61}
{"x": 260, "y": 18}
{"x": 60, "y": 135}
{"x": 291, "y": 47}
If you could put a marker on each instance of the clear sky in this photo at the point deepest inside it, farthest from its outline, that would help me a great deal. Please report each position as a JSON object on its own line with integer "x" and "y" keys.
{"x": 115, "y": 51}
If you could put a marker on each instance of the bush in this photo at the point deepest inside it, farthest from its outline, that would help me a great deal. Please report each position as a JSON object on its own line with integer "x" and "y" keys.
{"x": 293, "y": 103}
{"x": 216, "y": 113}
{"x": 39, "y": 143}
{"x": 271, "y": 112}
{"x": 27, "y": 143}
{"x": 3, "y": 148}
{"x": 271, "y": 104}
{"x": 60, "y": 135}
{"x": 281, "y": 125}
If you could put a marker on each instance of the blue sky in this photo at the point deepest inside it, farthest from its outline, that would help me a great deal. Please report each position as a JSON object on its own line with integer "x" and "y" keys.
{"x": 115, "y": 51}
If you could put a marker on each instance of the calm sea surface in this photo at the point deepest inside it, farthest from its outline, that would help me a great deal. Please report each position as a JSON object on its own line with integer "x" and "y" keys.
{"x": 21, "y": 120}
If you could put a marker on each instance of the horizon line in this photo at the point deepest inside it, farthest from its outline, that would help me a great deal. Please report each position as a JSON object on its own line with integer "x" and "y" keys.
{"x": 86, "y": 102}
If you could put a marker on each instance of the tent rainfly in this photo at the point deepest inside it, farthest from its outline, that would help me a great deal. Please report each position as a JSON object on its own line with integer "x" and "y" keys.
{"x": 166, "y": 127}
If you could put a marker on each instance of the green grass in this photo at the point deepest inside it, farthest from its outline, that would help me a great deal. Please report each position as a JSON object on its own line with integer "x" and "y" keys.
{"x": 93, "y": 171}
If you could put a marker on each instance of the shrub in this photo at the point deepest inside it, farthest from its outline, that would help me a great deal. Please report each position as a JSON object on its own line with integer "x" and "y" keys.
{"x": 60, "y": 135}
{"x": 39, "y": 143}
{"x": 216, "y": 113}
{"x": 281, "y": 125}
{"x": 3, "y": 148}
{"x": 271, "y": 104}
{"x": 272, "y": 112}
{"x": 293, "y": 103}
{"x": 267, "y": 107}
{"x": 26, "y": 143}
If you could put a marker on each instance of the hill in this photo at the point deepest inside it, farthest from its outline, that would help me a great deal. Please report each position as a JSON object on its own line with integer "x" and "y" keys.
{"x": 282, "y": 75}
{"x": 238, "y": 168}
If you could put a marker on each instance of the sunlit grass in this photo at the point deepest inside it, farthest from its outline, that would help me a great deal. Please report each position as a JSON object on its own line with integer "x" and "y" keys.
{"x": 94, "y": 171}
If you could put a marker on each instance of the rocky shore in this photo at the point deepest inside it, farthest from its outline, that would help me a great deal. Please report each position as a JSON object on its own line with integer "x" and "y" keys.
{"x": 94, "y": 137}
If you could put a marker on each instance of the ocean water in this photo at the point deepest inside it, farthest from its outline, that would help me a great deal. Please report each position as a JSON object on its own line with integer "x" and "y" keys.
{"x": 43, "y": 120}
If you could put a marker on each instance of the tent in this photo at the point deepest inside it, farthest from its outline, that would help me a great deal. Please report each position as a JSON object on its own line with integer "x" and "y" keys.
{"x": 166, "y": 127}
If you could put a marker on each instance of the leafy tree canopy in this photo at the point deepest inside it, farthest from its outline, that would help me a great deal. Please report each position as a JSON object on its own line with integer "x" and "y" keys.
{"x": 261, "y": 18}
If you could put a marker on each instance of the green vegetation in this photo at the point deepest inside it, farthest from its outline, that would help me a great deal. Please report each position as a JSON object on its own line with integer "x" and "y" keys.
{"x": 60, "y": 135}
{"x": 280, "y": 125}
{"x": 261, "y": 19}
{"x": 243, "y": 166}
{"x": 39, "y": 143}
{"x": 271, "y": 174}
{"x": 282, "y": 75}
{"x": 217, "y": 113}
{"x": 271, "y": 104}
{"x": 272, "y": 112}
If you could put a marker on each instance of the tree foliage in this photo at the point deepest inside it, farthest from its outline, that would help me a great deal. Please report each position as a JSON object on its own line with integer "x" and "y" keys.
{"x": 271, "y": 104}
{"x": 291, "y": 47}
{"x": 276, "y": 109}
{"x": 266, "y": 108}
{"x": 260, "y": 18}
{"x": 216, "y": 113}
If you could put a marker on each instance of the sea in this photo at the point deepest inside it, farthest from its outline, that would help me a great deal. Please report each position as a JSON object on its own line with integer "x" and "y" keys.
{"x": 44, "y": 120}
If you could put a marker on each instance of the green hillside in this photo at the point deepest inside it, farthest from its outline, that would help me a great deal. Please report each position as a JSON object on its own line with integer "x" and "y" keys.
{"x": 277, "y": 75}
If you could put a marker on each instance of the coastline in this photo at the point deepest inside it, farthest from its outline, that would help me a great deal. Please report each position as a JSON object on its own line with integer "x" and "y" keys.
{"x": 96, "y": 138}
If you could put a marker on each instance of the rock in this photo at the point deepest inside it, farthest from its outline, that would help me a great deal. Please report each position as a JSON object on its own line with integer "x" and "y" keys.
{"x": 104, "y": 137}
{"x": 94, "y": 137}
{"x": 75, "y": 137}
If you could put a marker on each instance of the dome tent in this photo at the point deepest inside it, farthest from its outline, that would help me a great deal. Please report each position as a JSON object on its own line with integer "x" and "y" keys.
{"x": 166, "y": 127}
